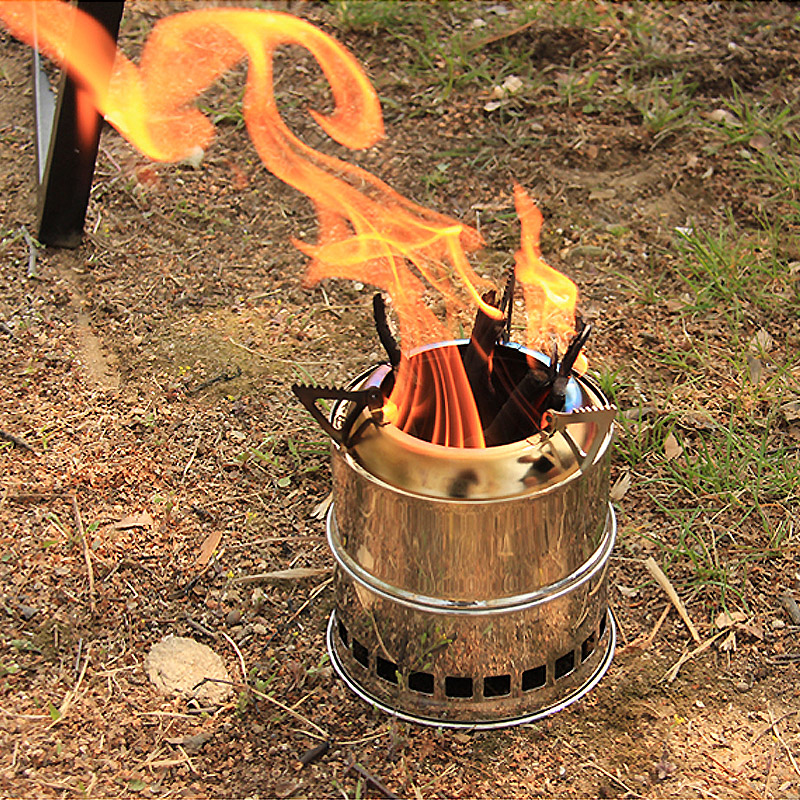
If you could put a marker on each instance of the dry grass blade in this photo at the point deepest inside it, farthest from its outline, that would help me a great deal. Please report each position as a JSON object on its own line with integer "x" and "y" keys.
{"x": 296, "y": 574}
{"x": 87, "y": 554}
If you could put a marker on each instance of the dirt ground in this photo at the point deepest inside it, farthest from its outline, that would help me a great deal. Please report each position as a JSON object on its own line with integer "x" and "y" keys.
{"x": 149, "y": 373}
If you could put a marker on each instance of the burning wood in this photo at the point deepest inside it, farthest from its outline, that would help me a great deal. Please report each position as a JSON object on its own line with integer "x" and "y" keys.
{"x": 510, "y": 404}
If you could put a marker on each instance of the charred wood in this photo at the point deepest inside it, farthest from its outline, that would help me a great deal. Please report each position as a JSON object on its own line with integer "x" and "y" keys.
{"x": 384, "y": 333}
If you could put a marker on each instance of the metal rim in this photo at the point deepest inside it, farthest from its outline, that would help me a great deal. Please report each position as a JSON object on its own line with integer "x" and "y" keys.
{"x": 487, "y": 725}
{"x": 438, "y": 605}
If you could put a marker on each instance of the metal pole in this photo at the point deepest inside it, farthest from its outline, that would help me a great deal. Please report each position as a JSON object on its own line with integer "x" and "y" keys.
{"x": 66, "y": 166}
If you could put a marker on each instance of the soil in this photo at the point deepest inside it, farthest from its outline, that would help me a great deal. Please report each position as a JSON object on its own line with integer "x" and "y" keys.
{"x": 149, "y": 372}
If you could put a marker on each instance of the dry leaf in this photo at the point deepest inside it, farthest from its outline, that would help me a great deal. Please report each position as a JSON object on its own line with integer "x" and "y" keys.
{"x": 723, "y": 115}
{"x": 143, "y": 520}
{"x": 286, "y": 788}
{"x": 791, "y": 410}
{"x": 321, "y": 509}
{"x": 762, "y": 342}
{"x": 726, "y": 619}
{"x": 620, "y": 488}
{"x": 755, "y": 369}
{"x": 671, "y": 447}
{"x": 208, "y": 547}
{"x": 760, "y": 142}
{"x": 627, "y": 591}
{"x": 729, "y": 642}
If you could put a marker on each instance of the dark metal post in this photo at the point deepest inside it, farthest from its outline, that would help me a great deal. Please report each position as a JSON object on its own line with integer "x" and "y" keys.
{"x": 66, "y": 165}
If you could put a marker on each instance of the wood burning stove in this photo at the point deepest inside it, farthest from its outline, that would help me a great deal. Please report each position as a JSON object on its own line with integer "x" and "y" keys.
{"x": 471, "y": 582}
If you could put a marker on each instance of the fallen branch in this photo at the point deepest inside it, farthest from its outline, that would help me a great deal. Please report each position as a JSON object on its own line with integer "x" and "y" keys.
{"x": 664, "y": 582}
{"x": 87, "y": 554}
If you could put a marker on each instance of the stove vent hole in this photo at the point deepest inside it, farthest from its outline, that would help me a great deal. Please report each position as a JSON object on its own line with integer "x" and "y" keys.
{"x": 343, "y": 633}
{"x": 496, "y": 685}
{"x": 421, "y": 682}
{"x": 587, "y": 648}
{"x": 457, "y": 687}
{"x": 386, "y": 670}
{"x": 602, "y": 626}
{"x": 534, "y": 678}
{"x": 360, "y": 653}
{"x": 565, "y": 665}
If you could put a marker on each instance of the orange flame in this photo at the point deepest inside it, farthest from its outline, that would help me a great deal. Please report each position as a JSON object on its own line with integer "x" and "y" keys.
{"x": 367, "y": 231}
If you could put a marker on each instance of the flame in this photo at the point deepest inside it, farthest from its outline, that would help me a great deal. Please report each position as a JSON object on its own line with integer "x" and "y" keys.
{"x": 367, "y": 231}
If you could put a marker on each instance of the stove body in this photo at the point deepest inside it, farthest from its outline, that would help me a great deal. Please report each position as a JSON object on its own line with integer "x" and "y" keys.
{"x": 470, "y": 588}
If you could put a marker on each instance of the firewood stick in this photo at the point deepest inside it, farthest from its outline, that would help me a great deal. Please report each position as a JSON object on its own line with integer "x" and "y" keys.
{"x": 478, "y": 359}
{"x": 384, "y": 333}
{"x": 664, "y": 582}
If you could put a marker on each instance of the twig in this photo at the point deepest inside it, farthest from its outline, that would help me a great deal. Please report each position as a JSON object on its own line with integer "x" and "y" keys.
{"x": 71, "y": 694}
{"x": 369, "y": 778}
{"x": 643, "y": 642}
{"x": 772, "y": 724}
{"x": 500, "y": 36}
{"x": 780, "y": 739}
{"x": 672, "y": 673}
{"x": 200, "y": 628}
{"x": 191, "y": 459}
{"x": 16, "y": 441}
{"x": 87, "y": 555}
{"x": 270, "y": 699}
{"x": 221, "y": 378}
{"x": 600, "y": 769}
{"x": 297, "y": 613}
{"x": 32, "y": 252}
{"x": 664, "y": 582}
{"x": 239, "y": 654}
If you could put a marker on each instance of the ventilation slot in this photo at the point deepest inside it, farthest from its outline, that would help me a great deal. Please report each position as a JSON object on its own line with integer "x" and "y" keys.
{"x": 534, "y": 678}
{"x": 343, "y": 633}
{"x": 360, "y": 654}
{"x": 457, "y": 687}
{"x": 565, "y": 665}
{"x": 587, "y": 648}
{"x": 602, "y": 626}
{"x": 421, "y": 682}
{"x": 386, "y": 670}
{"x": 496, "y": 685}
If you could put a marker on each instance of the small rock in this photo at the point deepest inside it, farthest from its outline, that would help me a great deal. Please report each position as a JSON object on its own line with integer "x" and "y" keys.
{"x": 260, "y": 629}
{"x": 177, "y": 664}
{"x": 777, "y": 624}
{"x": 233, "y": 617}
{"x": 742, "y": 686}
{"x": 27, "y": 611}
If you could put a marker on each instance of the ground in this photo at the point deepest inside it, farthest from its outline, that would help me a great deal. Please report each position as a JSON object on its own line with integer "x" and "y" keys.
{"x": 661, "y": 143}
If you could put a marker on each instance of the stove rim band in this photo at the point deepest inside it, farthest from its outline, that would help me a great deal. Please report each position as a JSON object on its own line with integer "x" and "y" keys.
{"x": 501, "y": 605}
{"x": 487, "y": 725}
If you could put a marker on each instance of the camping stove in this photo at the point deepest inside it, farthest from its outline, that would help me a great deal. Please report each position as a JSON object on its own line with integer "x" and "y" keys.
{"x": 470, "y": 589}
